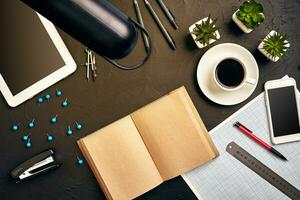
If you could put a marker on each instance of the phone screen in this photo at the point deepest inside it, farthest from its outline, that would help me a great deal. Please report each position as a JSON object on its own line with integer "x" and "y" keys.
{"x": 284, "y": 113}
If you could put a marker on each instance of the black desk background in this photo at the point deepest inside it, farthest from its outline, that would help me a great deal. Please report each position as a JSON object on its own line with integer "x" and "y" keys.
{"x": 117, "y": 93}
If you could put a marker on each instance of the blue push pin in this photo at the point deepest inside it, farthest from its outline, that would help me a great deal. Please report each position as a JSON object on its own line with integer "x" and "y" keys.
{"x": 31, "y": 124}
{"x": 40, "y": 100}
{"x": 58, "y": 93}
{"x": 79, "y": 161}
{"x": 69, "y": 131}
{"x": 48, "y": 97}
{"x": 65, "y": 103}
{"x": 78, "y": 126}
{"x": 28, "y": 144}
{"x": 54, "y": 119}
{"x": 15, "y": 127}
{"x": 50, "y": 138}
{"x": 25, "y": 137}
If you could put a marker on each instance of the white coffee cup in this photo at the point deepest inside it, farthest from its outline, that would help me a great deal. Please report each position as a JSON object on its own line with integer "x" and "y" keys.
{"x": 246, "y": 79}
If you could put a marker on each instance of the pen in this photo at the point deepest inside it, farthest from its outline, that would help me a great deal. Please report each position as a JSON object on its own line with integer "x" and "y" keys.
{"x": 140, "y": 19}
{"x": 168, "y": 13}
{"x": 162, "y": 28}
{"x": 250, "y": 134}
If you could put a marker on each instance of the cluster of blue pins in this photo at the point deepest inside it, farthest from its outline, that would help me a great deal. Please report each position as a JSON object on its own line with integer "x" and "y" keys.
{"x": 27, "y": 141}
{"x": 53, "y": 120}
{"x": 78, "y": 127}
{"x": 48, "y": 97}
{"x": 30, "y": 125}
{"x": 16, "y": 127}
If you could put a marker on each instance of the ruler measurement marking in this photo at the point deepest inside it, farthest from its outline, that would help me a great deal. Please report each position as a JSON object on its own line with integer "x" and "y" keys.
{"x": 262, "y": 170}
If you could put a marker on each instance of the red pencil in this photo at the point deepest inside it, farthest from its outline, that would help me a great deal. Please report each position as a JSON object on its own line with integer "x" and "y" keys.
{"x": 250, "y": 134}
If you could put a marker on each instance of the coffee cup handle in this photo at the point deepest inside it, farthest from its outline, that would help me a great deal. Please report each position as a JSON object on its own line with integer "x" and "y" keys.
{"x": 251, "y": 81}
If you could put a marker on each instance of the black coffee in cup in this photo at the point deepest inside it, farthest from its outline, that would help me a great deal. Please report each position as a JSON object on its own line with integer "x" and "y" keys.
{"x": 230, "y": 72}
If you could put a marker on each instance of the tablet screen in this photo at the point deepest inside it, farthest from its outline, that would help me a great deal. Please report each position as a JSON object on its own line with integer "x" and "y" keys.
{"x": 27, "y": 51}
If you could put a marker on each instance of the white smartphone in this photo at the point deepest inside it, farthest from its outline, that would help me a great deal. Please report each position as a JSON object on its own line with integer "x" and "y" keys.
{"x": 283, "y": 110}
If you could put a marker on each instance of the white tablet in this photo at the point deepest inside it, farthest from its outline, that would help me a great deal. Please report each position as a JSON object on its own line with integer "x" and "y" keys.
{"x": 33, "y": 55}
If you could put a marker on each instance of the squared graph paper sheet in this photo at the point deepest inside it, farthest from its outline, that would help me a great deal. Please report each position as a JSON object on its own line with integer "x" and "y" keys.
{"x": 227, "y": 178}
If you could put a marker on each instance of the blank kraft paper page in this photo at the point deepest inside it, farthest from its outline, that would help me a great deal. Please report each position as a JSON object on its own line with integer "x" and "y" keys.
{"x": 227, "y": 178}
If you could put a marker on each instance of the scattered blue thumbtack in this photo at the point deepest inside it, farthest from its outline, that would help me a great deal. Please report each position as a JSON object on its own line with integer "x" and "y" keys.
{"x": 78, "y": 126}
{"x": 58, "y": 93}
{"x": 25, "y": 137}
{"x": 15, "y": 127}
{"x": 48, "y": 97}
{"x": 54, "y": 119}
{"x": 49, "y": 138}
{"x": 79, "y": 161}
{"x": 69, "y": 131}
{"x": 65, "y": 103}
{"x": 28, "y": 144}
{"x": 31, "y": 124}
{"x": 40, "y": 100}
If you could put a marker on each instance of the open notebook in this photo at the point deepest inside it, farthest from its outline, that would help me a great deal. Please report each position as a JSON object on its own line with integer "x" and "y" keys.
{"x": 160, "y": 141}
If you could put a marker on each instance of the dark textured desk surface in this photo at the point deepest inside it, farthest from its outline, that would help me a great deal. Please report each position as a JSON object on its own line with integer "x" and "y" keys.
{"x": 117, "y": 93}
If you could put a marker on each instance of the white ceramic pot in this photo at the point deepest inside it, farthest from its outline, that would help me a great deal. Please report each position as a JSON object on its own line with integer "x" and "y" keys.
{"x": 200, "y": 45}
{"x": 264, "y": 52}
{"x": 240, "y": 24}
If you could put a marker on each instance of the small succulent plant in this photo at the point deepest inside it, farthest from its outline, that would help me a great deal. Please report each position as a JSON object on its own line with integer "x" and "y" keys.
{"x": 251, "y": 14}
{"x": 205, "y": 31}
{"x": 275, "y": 45}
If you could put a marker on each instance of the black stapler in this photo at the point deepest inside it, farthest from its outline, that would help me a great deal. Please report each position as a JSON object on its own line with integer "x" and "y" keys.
{"x": 38, "y": 164}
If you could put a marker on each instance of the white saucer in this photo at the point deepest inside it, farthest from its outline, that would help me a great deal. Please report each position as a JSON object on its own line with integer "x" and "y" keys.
{"x": 206, "y": 67}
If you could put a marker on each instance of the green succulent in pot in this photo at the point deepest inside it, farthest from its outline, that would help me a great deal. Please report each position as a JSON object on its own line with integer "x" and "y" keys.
{"x": 274, "y": 45}
{"x": 251, "y": 14}
{"x": 205, "y": 32}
